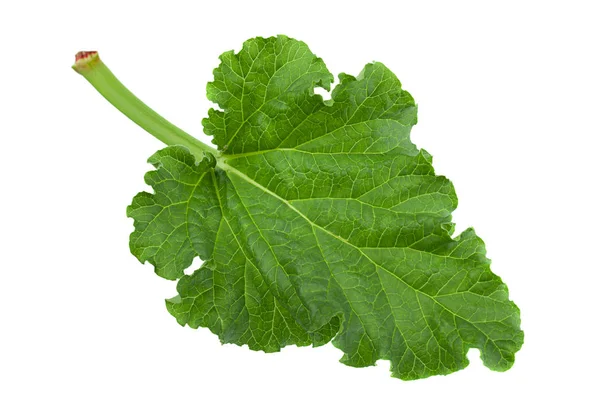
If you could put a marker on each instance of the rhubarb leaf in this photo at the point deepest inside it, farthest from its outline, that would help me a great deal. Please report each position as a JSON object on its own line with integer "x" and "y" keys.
{"x": 319, "y": 220}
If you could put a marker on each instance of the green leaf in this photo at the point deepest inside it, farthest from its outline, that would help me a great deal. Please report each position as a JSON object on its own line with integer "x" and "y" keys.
{"x": 319, "y": 220}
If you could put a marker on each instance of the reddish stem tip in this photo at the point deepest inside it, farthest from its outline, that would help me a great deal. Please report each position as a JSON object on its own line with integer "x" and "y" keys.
{"x": 85, "y": 60}
{"x": 84, "y": 54}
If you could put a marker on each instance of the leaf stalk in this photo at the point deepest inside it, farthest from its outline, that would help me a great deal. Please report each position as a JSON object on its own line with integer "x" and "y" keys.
{"x": 89, "y": 65}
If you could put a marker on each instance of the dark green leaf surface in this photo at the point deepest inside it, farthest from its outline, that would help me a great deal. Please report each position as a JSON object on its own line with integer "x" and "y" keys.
{"x": 321, "y": 221}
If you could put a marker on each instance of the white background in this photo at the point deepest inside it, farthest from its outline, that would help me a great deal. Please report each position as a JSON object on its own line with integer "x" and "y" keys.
{"x": 509, "y": 106}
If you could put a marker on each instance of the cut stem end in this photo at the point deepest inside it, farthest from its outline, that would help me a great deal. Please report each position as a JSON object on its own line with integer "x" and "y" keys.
{"x": 85, "y": 61}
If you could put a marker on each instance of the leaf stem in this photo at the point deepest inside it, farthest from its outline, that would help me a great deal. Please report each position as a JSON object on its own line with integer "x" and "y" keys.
{"x": 89, "y": 65}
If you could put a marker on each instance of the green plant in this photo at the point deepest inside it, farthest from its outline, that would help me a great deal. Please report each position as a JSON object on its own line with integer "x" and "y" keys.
{"x": 316, "y": 220}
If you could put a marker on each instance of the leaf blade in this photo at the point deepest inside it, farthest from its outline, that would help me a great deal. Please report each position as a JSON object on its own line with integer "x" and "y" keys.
{"x": 333, "y": 224}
